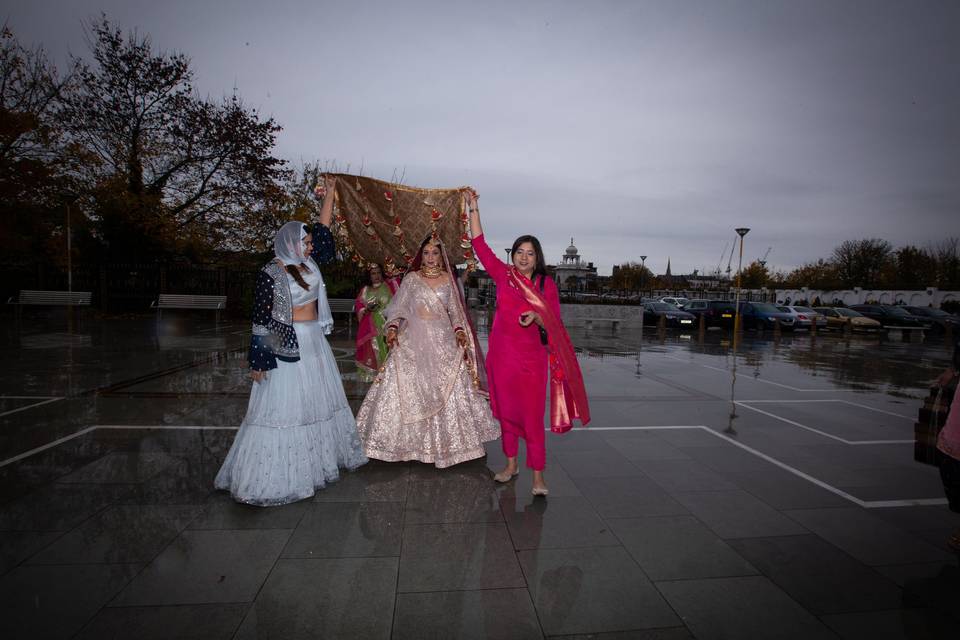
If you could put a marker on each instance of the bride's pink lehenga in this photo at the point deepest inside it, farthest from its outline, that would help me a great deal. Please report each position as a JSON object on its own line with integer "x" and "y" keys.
{"x": 425, "y": 404}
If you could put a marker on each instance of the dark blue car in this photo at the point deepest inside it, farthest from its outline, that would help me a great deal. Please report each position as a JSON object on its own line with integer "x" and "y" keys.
{"x": 762, "y": 315}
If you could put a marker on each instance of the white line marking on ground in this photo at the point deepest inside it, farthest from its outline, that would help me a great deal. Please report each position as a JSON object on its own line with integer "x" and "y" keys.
{"x": 59, "y": 441}
{"x": 27, "y": 454}
{"x": 776, "y": 384}
{"x": 27, "y": 397}
{"x": 867, "y": 504}
{"x": 855, "y": 404}
{"x": 29, "y": 406}
{"x": 164, "y": 427}
{"x": 818, "y": 431}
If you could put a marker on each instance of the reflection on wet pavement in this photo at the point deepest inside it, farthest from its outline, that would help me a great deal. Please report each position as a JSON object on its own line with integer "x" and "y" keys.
{"x": 763, "y": 488}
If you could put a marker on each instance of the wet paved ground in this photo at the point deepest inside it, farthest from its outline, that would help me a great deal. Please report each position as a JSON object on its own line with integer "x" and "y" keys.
{"x": 765, "y": 493}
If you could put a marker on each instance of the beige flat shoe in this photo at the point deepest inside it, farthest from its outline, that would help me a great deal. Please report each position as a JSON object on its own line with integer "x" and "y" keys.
{"x": 540, "y": 491}
{"x": 505, "y": 476}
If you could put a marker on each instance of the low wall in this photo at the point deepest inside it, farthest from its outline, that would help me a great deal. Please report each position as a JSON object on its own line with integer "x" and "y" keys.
{"x": 923, "y": 298}
{"x": 579, "y": 314}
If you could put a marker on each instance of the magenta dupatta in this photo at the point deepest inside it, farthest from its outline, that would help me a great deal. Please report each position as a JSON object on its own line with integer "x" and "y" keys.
{"x": 367, "y": 330}
{"x": 568, "y": 396}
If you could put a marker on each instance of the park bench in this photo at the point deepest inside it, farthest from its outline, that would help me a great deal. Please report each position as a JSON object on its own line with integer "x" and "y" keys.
{"x": 343, "y": 305}
{"x": 613, "y": 322}
{"x": 51, "y": 298}
{"x": 183, "y": 301}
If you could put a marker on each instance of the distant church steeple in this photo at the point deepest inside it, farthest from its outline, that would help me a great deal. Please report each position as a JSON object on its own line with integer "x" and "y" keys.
{"x": 668, "y": 274}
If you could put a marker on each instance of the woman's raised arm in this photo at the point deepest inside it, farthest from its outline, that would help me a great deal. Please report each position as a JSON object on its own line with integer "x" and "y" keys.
{"x": 326, "y": 209}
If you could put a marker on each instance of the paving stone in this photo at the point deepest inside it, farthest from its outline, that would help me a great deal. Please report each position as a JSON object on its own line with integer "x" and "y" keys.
{"x": 678, "y": 547}
{"x": 56, "y": 601}
{"x": 628, "y": 497}
{"x": 184, "y": 622}
{"x": 347, "y": 529}
{"x": 737, "y": 514}
{"x": 506, "y": 614}
{"x": 223, "y": 512}
{"x": 818, "y": 575}
{"x": 897, "y": 624}
{"x": 458, "y": 556}
{"x": 324, "y": 598}
{"x": 17, "y": 546}
{"x": 202, "y": 567}
{"x": 592, "y": 590}
{"x": 747, "y": 607}
{"x": 535, "y": 523}
{"x": 119, "y": 534}
{"x": 866, "y": 537}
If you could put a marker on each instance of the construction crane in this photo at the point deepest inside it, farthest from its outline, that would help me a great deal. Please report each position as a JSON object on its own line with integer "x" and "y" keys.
{"x": 763, "y": 260}
{"x": 731, "y": 257}
{"x": 722, "y": 253}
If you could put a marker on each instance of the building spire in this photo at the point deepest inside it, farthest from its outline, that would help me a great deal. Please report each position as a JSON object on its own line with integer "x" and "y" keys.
{"x": 668, "y": 274}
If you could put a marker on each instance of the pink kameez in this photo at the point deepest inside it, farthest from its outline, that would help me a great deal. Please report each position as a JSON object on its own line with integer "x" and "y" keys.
{"x": 949, "y": 440}
{"x": 516, "y": 362}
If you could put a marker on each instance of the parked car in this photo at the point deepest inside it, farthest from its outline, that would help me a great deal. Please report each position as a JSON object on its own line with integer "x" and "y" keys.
{"x": 839, "y": 317}
{"x": 763, "y": 315}
{"x": 680, "y": 303}
{"x": 716, "y": 312}
{"x": 804, "y": 317}
{"x": 936, "y": 320}
{"x": 653, "y": 311}
{"x": 889, "y": 315}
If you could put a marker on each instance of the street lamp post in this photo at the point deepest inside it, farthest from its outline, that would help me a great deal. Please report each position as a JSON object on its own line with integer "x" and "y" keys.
{"x": 741, "y": 231}
{"x": 643, "y": 261}
{"x": 69, "y": 252}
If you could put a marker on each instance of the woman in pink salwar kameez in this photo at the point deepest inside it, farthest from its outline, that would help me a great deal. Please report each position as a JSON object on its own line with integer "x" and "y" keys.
{"x": 948, "y": 442}
{"x": 527, "y": 341}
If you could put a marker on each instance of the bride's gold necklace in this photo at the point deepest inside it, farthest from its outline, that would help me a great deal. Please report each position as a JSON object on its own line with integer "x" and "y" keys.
{"x": 431, "y": 272}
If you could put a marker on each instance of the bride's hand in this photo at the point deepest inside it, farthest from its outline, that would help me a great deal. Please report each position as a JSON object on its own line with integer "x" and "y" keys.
{"x": 391, "y": 338}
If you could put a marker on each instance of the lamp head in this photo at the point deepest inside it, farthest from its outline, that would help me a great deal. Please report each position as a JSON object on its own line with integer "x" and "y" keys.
{"x": 741, "y": 231}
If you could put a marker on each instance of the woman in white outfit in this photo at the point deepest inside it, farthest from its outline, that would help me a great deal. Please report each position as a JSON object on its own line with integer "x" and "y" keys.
{"x": 299, "y": 429}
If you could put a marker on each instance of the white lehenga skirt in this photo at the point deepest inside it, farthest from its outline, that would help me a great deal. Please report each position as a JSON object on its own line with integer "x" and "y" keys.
{"x": 299, "y": 430}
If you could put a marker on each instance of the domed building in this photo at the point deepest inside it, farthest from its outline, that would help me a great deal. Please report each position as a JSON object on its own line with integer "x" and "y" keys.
{"x": 573, "y": 273}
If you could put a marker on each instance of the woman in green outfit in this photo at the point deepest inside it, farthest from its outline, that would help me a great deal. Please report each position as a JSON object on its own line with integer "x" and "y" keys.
{"x": 369, "y": 306}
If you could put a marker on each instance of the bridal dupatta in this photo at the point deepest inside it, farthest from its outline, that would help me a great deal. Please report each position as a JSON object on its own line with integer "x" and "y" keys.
{"x": 568, "y": 396}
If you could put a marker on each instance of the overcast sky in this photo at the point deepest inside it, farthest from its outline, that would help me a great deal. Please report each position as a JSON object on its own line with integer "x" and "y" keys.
{"x": 644, "y": 127}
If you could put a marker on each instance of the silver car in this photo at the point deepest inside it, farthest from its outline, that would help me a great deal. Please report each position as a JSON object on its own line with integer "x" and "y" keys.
{"x": 677, "y": 302}
{"x": 804, "y": 317}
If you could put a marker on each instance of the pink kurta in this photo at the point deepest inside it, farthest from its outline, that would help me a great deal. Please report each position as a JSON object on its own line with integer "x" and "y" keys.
{"x": 949, "y": 439}
{"x": 516, "y": 362}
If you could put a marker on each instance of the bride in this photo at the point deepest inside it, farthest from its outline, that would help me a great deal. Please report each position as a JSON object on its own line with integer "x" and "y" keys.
{"x": 427, "y": 402}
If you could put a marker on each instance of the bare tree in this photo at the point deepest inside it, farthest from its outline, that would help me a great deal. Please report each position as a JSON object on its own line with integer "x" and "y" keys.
{"x": 31, "y": 150}
{"x": 167, "y": 159}
{"x": 861, "y": 263}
